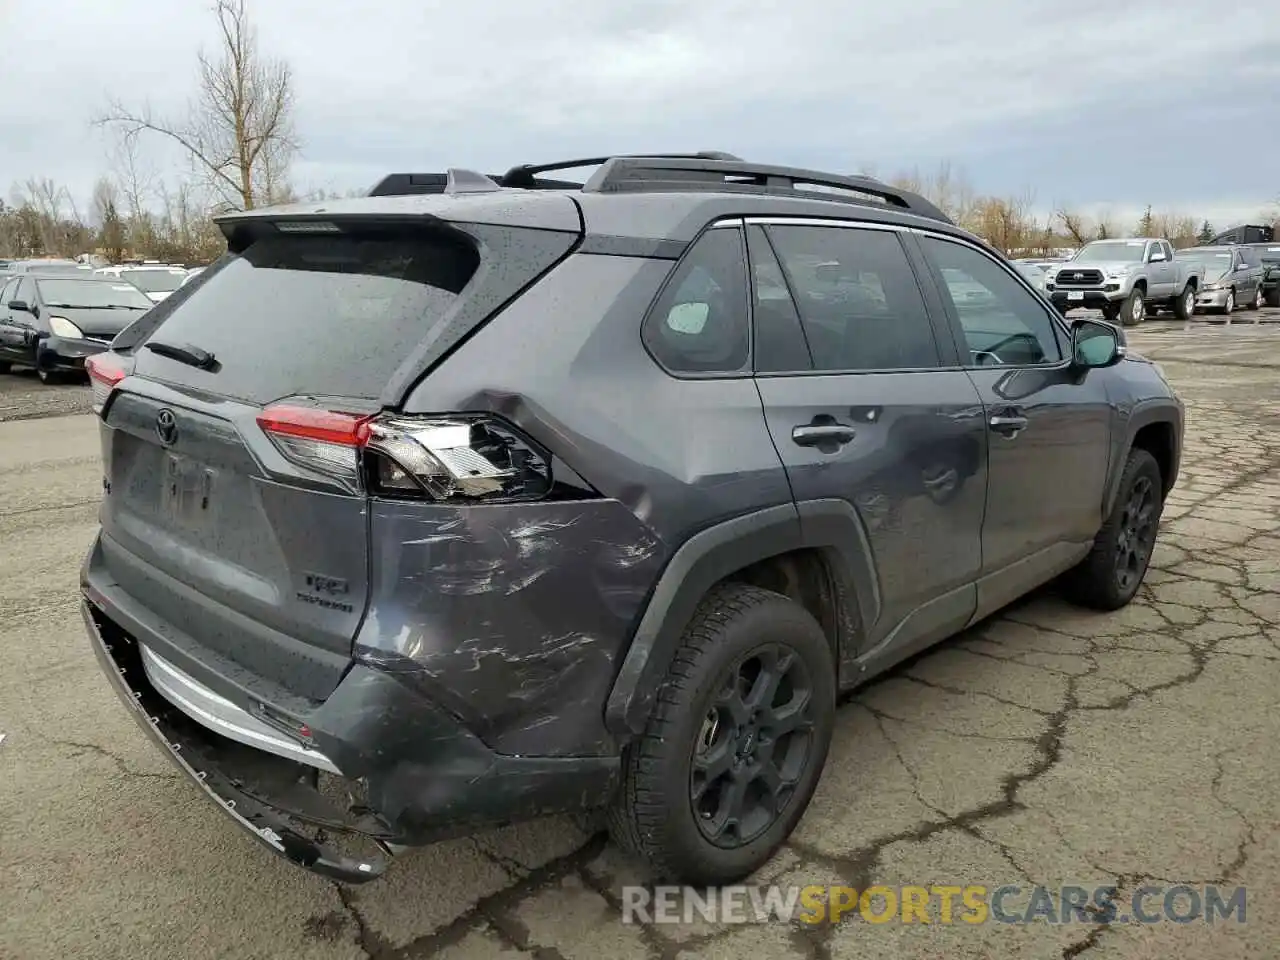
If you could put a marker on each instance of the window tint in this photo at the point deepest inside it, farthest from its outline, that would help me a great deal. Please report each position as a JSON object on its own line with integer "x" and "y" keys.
{"x": 1003, "y": 322}
{"x": 699, "y": 323}
{"x": 23, "y": 291}
{"x": 332, "y": 315}
{"x": 858, "y": 298}
{"x": 779, "y": 345}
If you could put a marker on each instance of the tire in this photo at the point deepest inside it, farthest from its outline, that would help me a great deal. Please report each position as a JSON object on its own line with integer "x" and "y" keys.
{"x": 1230, "y": 306}
{"x": 653, "y": 816}
{"x": 1272, "y": 298}
{"x": 1185, "y": 306}
{"x": 1111, "y": 313}
{"x": 1259, "y": 301}
{"x": 1131, "y": 528}
{"x": 1134, "y": 310}
{"x": 5, "y": 366}
{"x": 48, "y": 377}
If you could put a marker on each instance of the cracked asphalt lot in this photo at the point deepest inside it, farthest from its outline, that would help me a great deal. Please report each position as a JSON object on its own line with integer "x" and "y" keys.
{"x": 1050, "y": 746}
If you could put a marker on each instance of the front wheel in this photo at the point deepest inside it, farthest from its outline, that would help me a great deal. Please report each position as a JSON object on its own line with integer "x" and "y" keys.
{"x": 1185, "y": 306}
{"x": 1134, "y": 310}
{"x": 1230, "y": 306}
{"x": 1259, "y": 299}
{"x": 48, "y": 377}
{"x": 1110, "y": 575}
{"x": 1272, "y": 297}
{"x": 734, "y": 749}
{"x": 5, "y": 366}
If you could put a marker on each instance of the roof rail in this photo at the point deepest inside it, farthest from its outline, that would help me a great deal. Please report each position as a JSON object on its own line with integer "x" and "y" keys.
{"x": 621, "y": 174}
{"x": 524, "y": 174}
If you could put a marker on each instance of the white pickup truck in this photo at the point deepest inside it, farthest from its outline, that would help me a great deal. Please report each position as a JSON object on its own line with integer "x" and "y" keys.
{"x": 1124, "y": 278}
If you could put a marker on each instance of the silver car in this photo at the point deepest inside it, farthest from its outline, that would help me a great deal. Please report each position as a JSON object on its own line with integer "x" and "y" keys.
{"x": 1232, "y": 277}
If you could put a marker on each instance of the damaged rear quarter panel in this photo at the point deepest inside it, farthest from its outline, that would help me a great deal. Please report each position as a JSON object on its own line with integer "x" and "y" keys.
{"x": 518, "y": 616}
{"x": 510, "y": 616}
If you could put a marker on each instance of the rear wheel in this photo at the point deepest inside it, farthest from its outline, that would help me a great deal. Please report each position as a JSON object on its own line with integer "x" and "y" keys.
{"x": 1110, "y": 575}
{"x": 1185, "y": 305}
{"x": 736, "y": 744}
{"x": 1134, "y": 310}
{"x": 1259, "y": 299}
{"x": 1272, "y": 297}
{"x": 5, "y": 366}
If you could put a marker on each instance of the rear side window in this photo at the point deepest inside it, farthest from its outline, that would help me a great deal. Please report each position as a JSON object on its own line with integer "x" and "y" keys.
{"x": 779, "y": 342}
{"x": 699, "y": 322}
{"x": 858, "y": 298}
{"x": 330, "y": 315}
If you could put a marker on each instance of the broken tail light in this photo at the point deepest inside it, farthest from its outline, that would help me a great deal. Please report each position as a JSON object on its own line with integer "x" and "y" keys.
{"x": 105, "y": 370}
{"x": 467, "y": 458}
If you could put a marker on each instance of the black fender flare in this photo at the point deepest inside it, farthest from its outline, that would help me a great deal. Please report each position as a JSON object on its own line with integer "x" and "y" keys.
{"x": 716, "y": 552}
{"x": 1144, "y": 413}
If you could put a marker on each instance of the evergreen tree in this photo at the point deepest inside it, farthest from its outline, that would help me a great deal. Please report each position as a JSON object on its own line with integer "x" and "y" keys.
{"x": 1145, "y": 225}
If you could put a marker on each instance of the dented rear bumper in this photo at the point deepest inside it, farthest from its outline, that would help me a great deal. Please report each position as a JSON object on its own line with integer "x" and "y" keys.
{"x": 407, "y": 772}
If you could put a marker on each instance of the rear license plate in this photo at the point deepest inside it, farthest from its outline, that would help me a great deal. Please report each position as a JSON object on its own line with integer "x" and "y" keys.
{"x": 1075, "y": 296}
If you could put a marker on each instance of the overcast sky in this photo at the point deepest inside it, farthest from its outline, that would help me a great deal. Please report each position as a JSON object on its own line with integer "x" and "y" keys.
{"x": 1095, "y": 103}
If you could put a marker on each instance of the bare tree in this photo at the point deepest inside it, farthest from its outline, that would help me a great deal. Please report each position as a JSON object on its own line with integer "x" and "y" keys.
{"x": 1075, "y": 225}
{"x": 239, "y": 134}
{"x": 135, "y": 179}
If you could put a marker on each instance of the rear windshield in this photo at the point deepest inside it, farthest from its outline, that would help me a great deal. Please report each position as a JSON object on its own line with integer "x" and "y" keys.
{"x": 313, "y": 315}
{"x": 92, "y": 293}
{"x": 154, "y": 281}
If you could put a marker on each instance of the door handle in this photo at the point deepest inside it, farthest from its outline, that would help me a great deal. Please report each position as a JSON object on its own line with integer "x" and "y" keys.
{"x": 1007, "y": 424}
{"x": 816, "y": 434}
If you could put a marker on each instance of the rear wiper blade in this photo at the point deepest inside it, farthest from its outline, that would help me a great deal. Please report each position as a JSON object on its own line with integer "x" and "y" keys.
{"x": 192, "y": 356}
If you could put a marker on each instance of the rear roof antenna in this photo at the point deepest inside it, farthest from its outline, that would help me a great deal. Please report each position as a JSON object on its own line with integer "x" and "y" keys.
{"x": 458, "y": 180}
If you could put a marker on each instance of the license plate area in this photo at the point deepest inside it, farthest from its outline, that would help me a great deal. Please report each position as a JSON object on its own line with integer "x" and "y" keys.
{"x": 1076, "y": 295}
{"x": 187, "y": 492}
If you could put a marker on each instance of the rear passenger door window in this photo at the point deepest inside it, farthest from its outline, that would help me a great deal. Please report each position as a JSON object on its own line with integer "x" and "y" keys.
{"x": 698, "y": 325}
{"x": 780, "y": 345}
{"x": 1004, "y": 323}
{"x": 858, "y": 299}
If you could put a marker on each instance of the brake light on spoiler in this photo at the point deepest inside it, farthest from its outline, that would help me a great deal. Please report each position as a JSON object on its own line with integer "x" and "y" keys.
{"x": 105, "y": 371}
{"x": 455, "y": 458}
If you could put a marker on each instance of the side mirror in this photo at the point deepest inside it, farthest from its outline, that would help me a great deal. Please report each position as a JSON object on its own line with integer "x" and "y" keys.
{"x": 1243, "y": 266}
{"x": 1095, "y": 344}
{"x": 1157, "y": 257}
{"x": 20, "y": 305}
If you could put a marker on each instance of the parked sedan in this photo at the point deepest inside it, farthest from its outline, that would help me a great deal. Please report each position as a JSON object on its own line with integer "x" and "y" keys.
{"x": 1232, "y": 277}
{"x": 53, "y": 322}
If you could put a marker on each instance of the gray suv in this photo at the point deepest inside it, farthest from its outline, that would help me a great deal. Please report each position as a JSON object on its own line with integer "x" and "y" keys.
{"x": 488, "y": 497}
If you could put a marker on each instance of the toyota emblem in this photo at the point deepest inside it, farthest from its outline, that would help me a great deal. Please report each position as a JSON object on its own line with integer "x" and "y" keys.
{"x": 166, "y": 426}
{"x": 1078, "y": 276}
